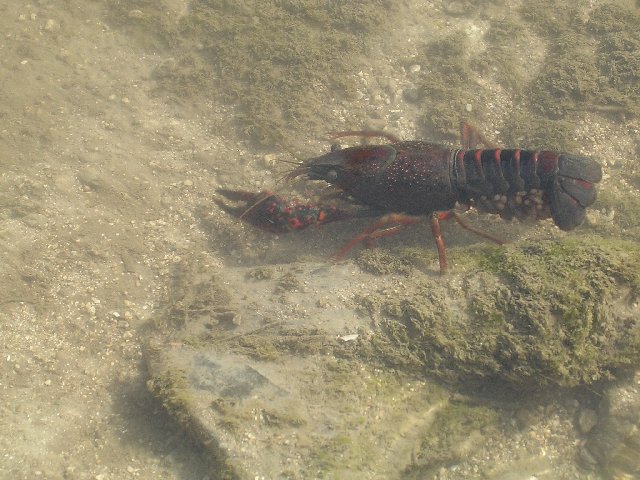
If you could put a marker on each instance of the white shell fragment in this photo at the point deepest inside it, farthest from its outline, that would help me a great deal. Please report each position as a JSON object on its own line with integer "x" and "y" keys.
{"x": 350, "y": 337}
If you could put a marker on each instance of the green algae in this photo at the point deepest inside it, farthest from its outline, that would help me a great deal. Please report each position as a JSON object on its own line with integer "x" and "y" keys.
{"x": 451, "y": 85}
{"x": 500, "y": 60}
{"x": 582, "y": 61}
{"x": 333, "y": 452}
{"x": 448, "y": 86}
{"x": 381, "y": 262}
{"x": 234, "y": 416}
{"x": 425, "y": 433}
{"x": 593, "y": 63}
{"x": 371, "y": 402}
{"x": 260, "y": 273}
{"x": 269, "y": 56}
{"x": 535, "y": 131}
{"x": 529, "y": 314}
{"x": 281, "y": 62}
{"x": 570, "y": 78}
{"x": 147, "y": 22}
{"x": 551, "y": 18}
{"x": 278, "y": 342}
{"x": 172, "y": 388}
{"x": 288, "y": 282}
{"x": 206, "y": 298}
{"x": 618, "y": 52}
{"x": 258, "y": 347}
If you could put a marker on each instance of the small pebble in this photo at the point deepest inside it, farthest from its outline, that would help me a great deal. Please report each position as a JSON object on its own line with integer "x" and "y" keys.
{"x": 51, "y": 25}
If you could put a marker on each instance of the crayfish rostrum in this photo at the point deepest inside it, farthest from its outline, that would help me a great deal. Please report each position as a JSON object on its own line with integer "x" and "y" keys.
{"x": 405, "y": 182}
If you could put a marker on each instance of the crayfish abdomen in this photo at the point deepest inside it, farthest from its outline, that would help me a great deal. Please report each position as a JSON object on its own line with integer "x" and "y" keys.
{"x": 527, "y": 183}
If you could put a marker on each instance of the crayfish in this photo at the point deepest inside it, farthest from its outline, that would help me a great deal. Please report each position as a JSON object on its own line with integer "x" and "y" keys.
{"x": 405, "y": 182}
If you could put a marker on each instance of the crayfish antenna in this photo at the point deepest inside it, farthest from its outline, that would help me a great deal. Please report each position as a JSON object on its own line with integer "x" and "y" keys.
{"x": 293, "y": 174}
{"x": 299, "y": 169}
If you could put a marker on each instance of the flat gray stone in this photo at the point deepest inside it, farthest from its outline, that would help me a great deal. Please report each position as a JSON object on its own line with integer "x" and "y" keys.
{"x": 277, "y": 394}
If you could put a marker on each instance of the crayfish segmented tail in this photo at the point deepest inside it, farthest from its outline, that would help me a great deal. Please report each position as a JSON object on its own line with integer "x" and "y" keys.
{"x": 527, "y": 183}
{"x": 406, "y": 181}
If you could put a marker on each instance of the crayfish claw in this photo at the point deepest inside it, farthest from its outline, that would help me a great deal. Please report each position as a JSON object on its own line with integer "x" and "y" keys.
{"x": 247, "y": 199}
{"x": 252, "y": 207}
{"x": 276, "y": 214}
{"x": 233, "y": 211}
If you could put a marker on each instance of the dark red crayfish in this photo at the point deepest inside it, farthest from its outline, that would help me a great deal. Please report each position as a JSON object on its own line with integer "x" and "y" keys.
{"x": 404, "y": 181}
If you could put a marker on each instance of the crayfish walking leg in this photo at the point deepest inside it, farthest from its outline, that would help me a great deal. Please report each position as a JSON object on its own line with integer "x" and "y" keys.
{"x": 386, "y": 226}
{"x": 437, "y": 234}
{"x": 394, "y": 223}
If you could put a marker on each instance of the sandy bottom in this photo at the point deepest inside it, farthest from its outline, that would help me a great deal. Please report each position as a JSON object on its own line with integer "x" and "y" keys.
{"x": 104, "y": 185}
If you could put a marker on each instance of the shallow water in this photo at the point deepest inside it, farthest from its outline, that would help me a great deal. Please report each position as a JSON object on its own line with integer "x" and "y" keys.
{"x": 119, "y": 119}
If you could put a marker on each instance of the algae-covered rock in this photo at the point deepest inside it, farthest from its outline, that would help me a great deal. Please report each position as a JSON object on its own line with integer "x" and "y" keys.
{"x": 283, "y": 393}
{"x": 533, "y": 313}
{"x": 283, "y": 385}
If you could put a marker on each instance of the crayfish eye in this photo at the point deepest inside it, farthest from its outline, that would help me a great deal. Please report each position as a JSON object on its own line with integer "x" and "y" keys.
{"x": 331, "y": 176}
{"x": 335, "y": 147}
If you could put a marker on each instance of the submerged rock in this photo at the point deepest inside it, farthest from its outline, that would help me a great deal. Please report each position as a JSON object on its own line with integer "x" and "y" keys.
{"x": 541, "y": 313}
{"x": 281, "y": 394}
{"x": 271, "y": 386}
